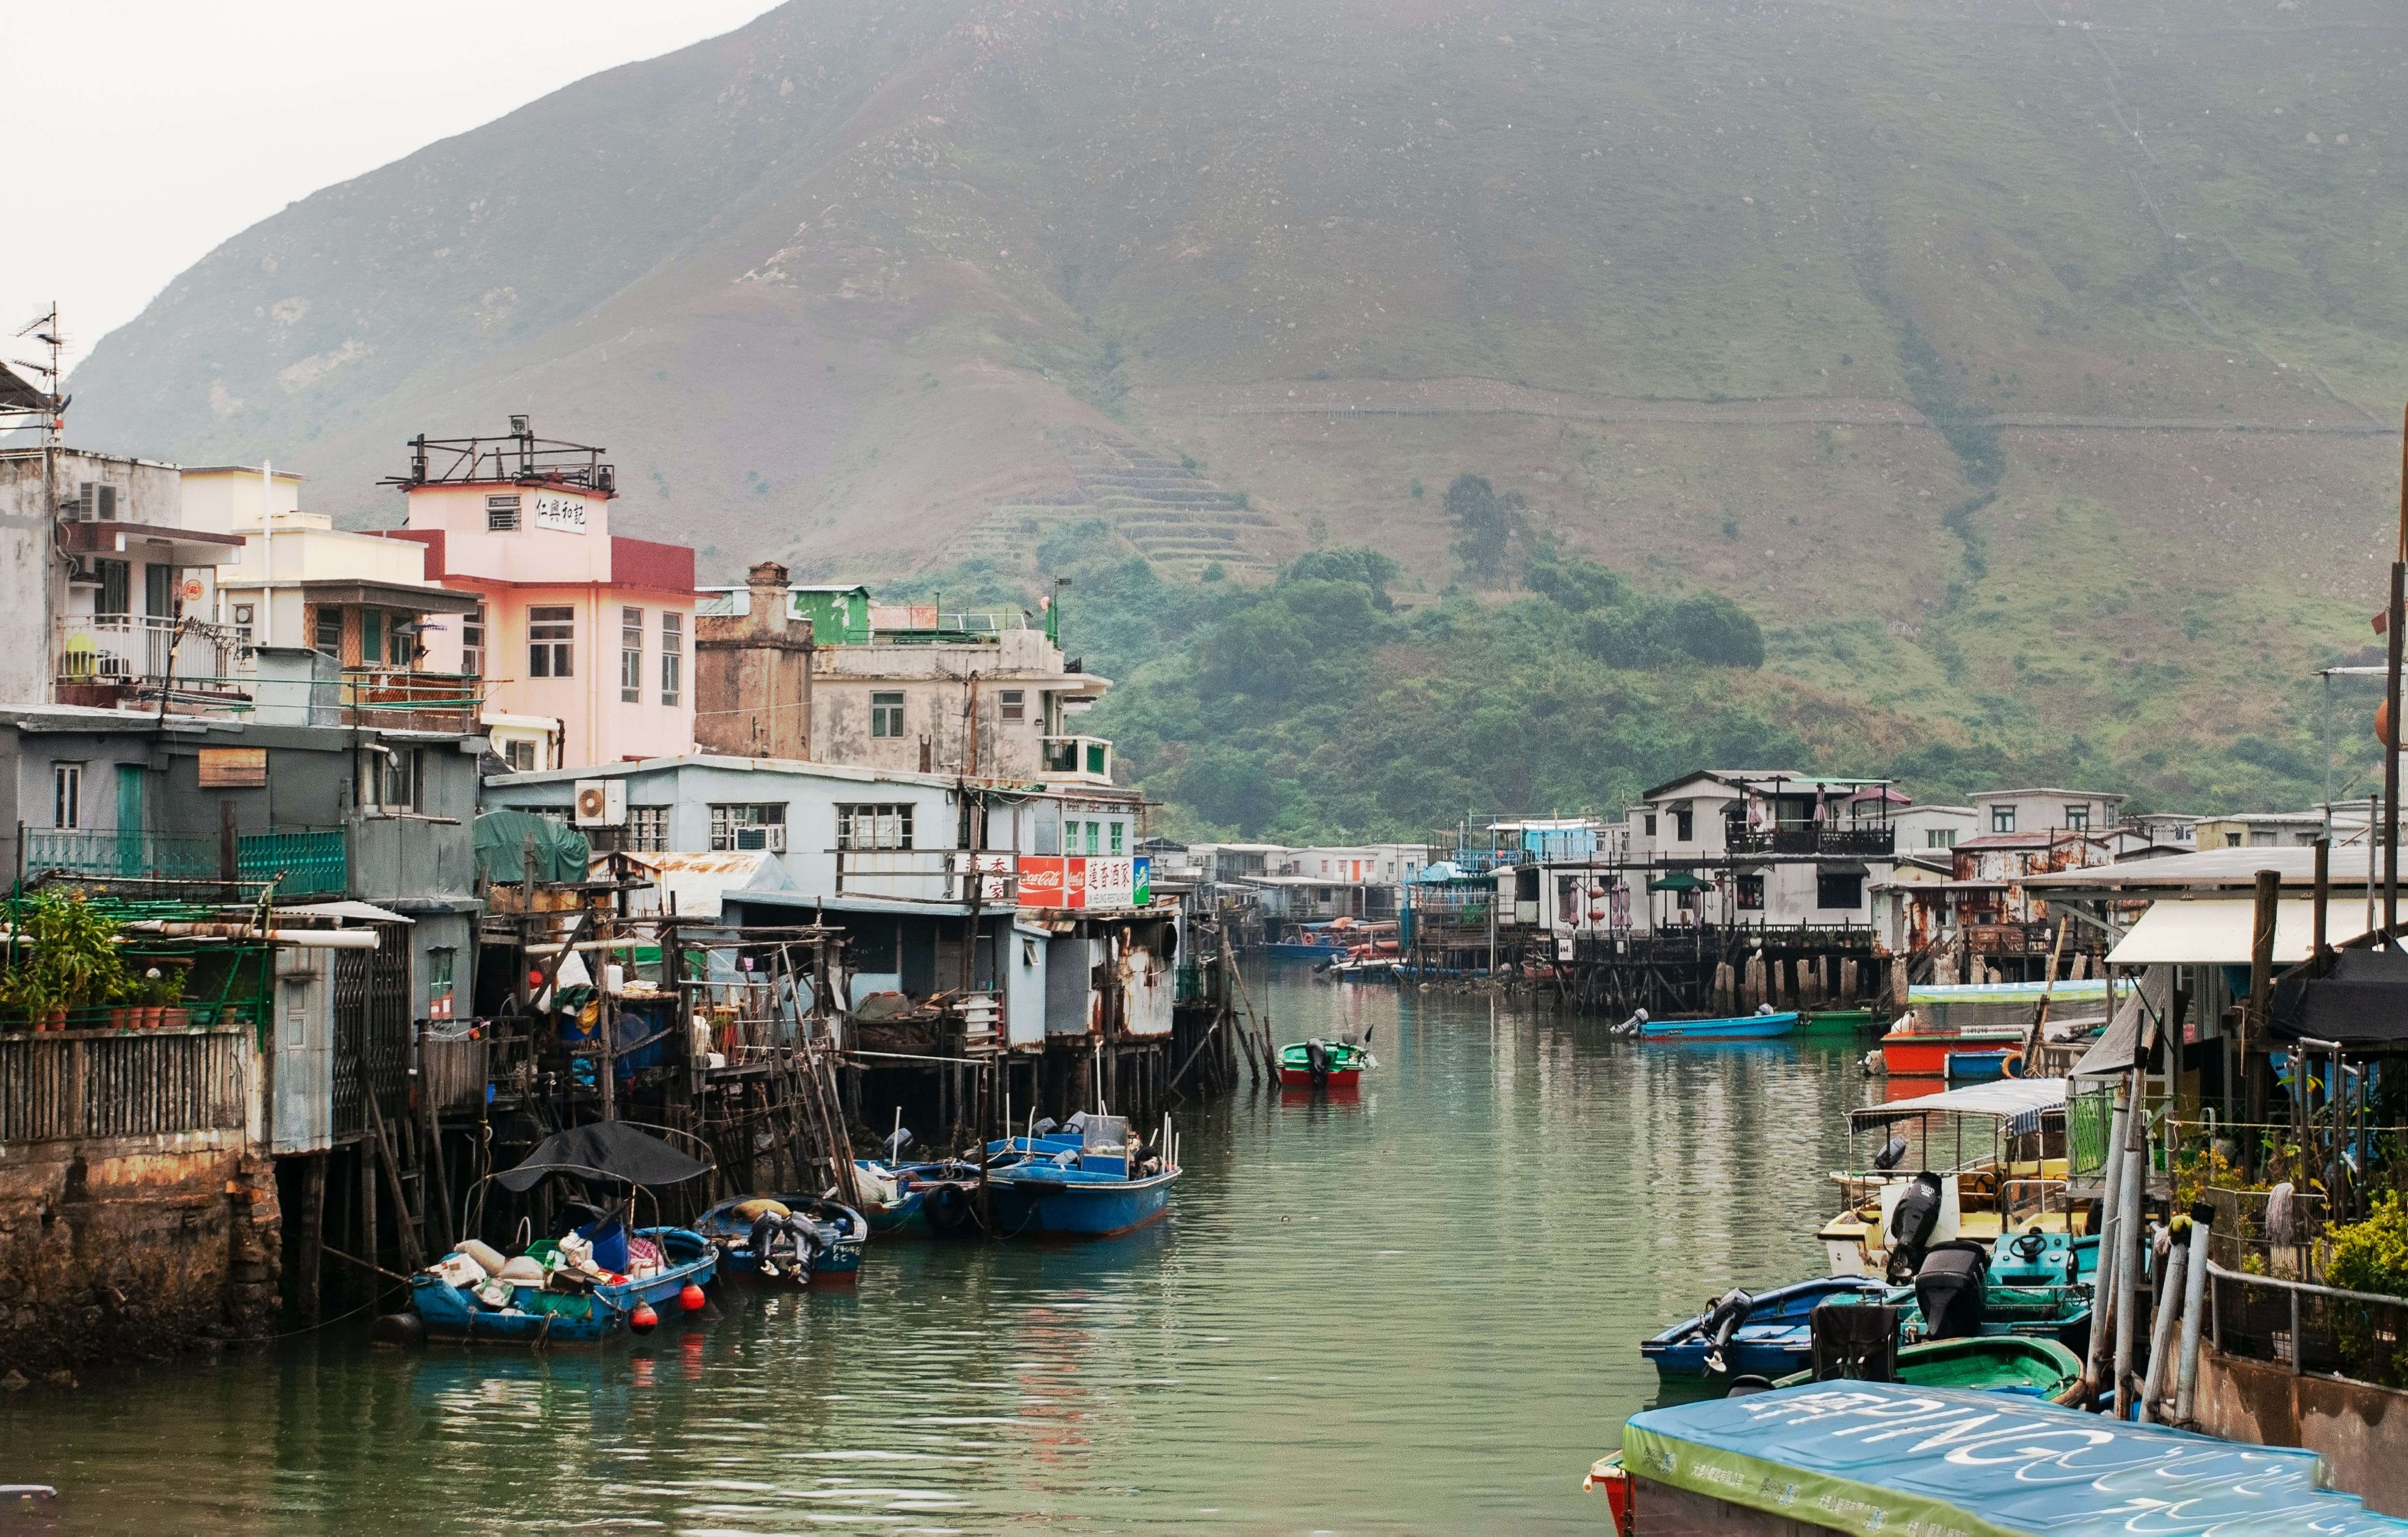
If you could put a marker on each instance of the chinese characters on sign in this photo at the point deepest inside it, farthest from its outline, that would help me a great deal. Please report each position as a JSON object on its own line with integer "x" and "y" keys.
{"x": 1068, "y": 880}
{"x": 563, "y": 514}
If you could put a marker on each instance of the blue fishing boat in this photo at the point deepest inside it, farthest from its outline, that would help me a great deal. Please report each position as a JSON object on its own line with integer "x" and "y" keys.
{"x": 1743, "y": 1027}
{"x": 786, "y": 1241}
{"x": 1770, "y": 1334}
{"x": 894, "y": 1194}
{"x": 1840, "y": 1455}
{"x": 1086, "y": 1181}
{"x": 1317, "y": 941}
{"x": 540, "y": 1314}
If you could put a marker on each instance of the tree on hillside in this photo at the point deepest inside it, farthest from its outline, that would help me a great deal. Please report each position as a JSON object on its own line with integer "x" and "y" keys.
{"x": 1483, "y": 523}
{"x": 1715, "y": 630}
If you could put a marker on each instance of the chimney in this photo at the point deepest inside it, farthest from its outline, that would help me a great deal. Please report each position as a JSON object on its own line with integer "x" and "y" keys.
{"x": 766, "y": 584}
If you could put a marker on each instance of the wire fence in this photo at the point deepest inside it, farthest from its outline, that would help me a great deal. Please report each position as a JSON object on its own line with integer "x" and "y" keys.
{"x": 2309, "y": 1329}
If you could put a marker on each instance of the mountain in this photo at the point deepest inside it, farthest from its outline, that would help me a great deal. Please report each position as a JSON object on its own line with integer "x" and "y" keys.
{"x": 2025, "y": 367}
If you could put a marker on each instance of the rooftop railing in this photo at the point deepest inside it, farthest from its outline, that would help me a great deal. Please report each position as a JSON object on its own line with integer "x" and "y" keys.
{"x": 1084, "y": 759}
{"x": 1844, "y": 843}
{"x": 304, "y": 862}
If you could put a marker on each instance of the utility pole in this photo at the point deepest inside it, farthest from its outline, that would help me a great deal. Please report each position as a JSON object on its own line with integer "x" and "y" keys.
{"x": 2390, "y": 734}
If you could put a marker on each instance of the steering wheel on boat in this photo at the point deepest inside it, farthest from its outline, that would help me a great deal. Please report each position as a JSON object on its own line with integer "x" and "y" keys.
{"x": 2029, "y": 1245}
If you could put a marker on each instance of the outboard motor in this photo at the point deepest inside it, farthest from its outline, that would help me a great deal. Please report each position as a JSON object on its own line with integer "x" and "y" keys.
{"x": 1317, "y": 1060}
{"x": 1889, "y": 1158}
{"x": 1911, "y": 1223}
{"x": 895, "y": 1145}
{"x": 1045, "y": 1127}
{"x": 1722, "y": 1321}
{"x": 1950, "y": 1289}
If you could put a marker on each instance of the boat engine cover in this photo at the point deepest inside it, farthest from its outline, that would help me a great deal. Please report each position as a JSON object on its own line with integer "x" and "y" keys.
{"x": 1914, "y": 1219}
{"x": 1951, "y": 1288}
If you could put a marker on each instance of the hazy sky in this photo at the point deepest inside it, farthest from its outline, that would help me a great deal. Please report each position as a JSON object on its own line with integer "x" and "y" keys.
{"x": 142, "y": 133}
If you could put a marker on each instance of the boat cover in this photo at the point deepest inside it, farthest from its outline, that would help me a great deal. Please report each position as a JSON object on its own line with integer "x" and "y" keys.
{"x": 2089, "y": 990}
{"x": 612, "y": 1149}
{"x": 2362, "y": 1002}
{"x": 2018, "y": 1102}
{"x": 1868, "y": 1458}
{"x": 561, "y": 852}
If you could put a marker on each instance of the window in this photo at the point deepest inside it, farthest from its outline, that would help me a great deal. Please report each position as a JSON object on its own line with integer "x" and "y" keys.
{"x": 441, "y": 962}
{"x": 1685, "y": 825}
{"x": 2002, "y": 819}
{"x": 873, "y": 826}
{"x": 501, "y": 514}
{"x": 371, "y": 637}
{"x": 631, "y": 655}
{"x": 519, "y": 755}
{"x": 886, "y": 715}
{"x": 1938, "y": 838}
{"x": 1751, "y": 894}
{"x": 1094, "y": 837}
{"x": 329, "y": 635}
{"x": 1119, "y": 835}
{"x": 2261, "y": 838}
{"x": 242, "y": 621}
{"x": 160, "y": 590}
{"x": 749, "y": 828}
{"x": 392, "y": 780}
{"x": 1015, "y": 705}
{"x": 2078, "y": 817}
{"x": 66, "y": 795}
{"x": 401, "y": 640}
{"x": 472, "y": 642}
{"x": 115, "y": 582}
{"x": 2232, "y": 839}
{"x": 1649, "y": 820}
{"x": 672, "y": 657}
{"x": 1834, "y": 889}
{"x": 552, "y": 641}
{"x": 648, "y": 830}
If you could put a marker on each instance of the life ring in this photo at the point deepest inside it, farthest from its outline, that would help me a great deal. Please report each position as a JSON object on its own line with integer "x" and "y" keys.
{"x": 947, "y": 1207}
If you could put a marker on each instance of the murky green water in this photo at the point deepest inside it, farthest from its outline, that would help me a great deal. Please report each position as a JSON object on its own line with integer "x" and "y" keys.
{"x": 1417, "y": 1313}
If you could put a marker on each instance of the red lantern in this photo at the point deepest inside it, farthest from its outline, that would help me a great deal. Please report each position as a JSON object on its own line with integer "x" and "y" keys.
{"x": 692, "y": 1299}
{"x": 643, "y": 1321}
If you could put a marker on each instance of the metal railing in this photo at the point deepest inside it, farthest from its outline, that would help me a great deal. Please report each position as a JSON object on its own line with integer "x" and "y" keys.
{"x": 311, "y": 861}
{"x": 62, "y": 1087}
{"x": 123, "y": 648}
{"x": 2312, "y": 1330}
{"x": 405, "y": 699}
{"x": 1845, "y": 842}
{"x": 1083, "y": 757}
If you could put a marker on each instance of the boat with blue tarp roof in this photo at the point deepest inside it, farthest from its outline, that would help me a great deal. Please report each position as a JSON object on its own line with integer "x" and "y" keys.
{"x": 1089, "y": 1179}
{"x": 1865, "y": 1457}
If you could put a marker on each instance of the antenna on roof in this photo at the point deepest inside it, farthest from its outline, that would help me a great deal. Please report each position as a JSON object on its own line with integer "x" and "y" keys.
{"x": 25, "y": 405}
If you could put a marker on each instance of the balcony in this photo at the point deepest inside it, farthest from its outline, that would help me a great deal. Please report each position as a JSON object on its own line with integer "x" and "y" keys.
{"x": 1075, "y": 760}
{"x": 304, "y": 862}
{"x": 403, "y": 700}
{"x": 1811, "y": 843}
{"x": 103, "y": 658}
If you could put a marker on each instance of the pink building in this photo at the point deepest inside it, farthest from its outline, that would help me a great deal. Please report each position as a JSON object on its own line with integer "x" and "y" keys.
{"x": 578, "y": 625}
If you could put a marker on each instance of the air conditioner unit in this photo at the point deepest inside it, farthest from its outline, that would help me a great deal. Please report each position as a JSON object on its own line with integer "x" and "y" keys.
{"x": 601, "y": 802}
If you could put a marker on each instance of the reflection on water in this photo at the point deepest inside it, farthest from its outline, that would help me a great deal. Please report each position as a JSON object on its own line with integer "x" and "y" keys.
{"x": 1415, "y": 1311}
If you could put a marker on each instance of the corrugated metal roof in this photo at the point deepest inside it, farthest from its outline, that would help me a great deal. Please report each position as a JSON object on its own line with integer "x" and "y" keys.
{"x": 699, "y": 882}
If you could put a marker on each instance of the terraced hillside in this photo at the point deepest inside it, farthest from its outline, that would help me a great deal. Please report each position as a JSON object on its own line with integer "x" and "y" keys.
{"x": 2027, "y": 366}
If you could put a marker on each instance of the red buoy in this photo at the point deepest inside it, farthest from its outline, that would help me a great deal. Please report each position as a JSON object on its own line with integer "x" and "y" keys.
{"x": 643, "y": 1321}
{"x": 692, "y": 1299}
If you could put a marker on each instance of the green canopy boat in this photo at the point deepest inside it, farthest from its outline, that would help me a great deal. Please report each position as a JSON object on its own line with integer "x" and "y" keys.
{"x": 1324, "y": 1066}
{"x": 1995, "y": 1363}
{"x": 1834, "y": 1021}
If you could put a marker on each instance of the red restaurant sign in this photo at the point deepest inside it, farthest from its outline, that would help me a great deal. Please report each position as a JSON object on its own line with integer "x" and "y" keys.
{"x": 1071, "y": 880}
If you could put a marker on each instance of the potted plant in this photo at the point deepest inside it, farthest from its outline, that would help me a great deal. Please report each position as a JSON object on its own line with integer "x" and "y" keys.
{"x": 74, "y": 964}
{"x": 173, "y": 1016}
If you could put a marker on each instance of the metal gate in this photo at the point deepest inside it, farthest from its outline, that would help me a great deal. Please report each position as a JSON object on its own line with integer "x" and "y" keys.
{"x": 372, "y": 993}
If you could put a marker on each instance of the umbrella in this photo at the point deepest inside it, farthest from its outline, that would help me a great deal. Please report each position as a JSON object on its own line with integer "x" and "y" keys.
{"x": 610, "y": 1150}
{"x": 1680, "y": 880}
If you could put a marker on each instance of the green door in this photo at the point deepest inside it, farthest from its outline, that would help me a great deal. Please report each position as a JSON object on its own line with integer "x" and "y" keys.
{"x": 129, "y": 819}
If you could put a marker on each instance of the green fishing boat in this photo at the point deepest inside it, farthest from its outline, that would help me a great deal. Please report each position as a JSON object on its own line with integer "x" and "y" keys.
{"x": 1994, "y": 1363}
{"x": 1834, "y": 1021}
{"x": 1324, "y": 1067}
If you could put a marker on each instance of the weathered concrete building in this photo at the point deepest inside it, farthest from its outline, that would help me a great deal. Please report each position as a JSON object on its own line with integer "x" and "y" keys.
{"x": 753, "y": 674}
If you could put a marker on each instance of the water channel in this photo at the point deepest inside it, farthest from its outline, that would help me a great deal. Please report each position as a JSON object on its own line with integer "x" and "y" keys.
{"x": 1418, "y": 1312}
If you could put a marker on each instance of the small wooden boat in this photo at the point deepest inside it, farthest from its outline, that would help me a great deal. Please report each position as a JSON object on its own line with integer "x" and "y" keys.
{"x": 1743, "y": 1027}
{"x": 1991, "y": 1363}
{"x": 541, "y": 1315}
{"x": 1834, "y": 1021}
{"x": 811, "y": 1240}
{"x": 1079, "y": 1184}
{"x": 1339, "y": 1071}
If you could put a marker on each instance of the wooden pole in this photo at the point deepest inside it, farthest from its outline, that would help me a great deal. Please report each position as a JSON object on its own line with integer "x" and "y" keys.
{"x": 2396, "y": 619}
{"x": 2262, "y": 1002}
{"x": 2323, "y": 899}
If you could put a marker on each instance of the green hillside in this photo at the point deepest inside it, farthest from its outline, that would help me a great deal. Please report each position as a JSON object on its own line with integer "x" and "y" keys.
{"x": 2026, "y": 371}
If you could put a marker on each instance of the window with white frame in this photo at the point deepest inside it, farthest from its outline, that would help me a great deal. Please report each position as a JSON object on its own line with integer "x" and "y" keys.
{"x": 877, "y": 827}
{"x": 886, "y": 715}
{"x": 748, "y": 827}
{"x": 631, "y": 655}
{"x": 441, "y": 963}
{"x": 472, "y": 641}
{"x": 501, "y": 514}
{"x": 552, "y": 641}
{"x": 1015, "y": 704}
{"x": 519, "y": 755}
{"x": 2002, "y": 819}
{"x": 648, "y": 830}
{"x": 672, "y": 657}
{"x": 66, "y": 795}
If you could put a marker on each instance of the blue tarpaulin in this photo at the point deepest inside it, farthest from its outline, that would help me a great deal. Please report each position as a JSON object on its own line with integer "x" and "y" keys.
{"x": 1884, "y": 1458}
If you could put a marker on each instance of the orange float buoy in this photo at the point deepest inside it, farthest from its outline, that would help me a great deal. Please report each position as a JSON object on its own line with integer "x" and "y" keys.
{"x": 643, "y": 1321}
{"x": 2382, "y": 732}
{"x": 692, "y": 1299}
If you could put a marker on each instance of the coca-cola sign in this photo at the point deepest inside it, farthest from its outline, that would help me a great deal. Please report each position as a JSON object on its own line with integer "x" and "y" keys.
{"x": 1071, "y": 880}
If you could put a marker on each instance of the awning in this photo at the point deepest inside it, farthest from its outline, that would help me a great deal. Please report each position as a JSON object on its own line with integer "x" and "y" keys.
{"x": 2118, "y": 1048}
{"x": 1680, "y": 880}
{"x": 610, "y": 1150}
{"x": 364, "y": 913}
{"x": 2218, "y": 933}
{"x": 2363, "y": 1003}
{"x": 2007, "y": 1099}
